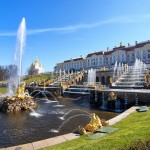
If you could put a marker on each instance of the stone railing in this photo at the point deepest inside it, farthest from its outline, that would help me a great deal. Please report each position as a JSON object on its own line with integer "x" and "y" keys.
{"x": 72, "y": 81}
{"x": 48, "y": 82}
{"x": 147, "y": 79}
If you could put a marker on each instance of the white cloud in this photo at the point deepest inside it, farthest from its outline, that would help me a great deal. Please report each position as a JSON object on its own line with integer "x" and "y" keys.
{"x": 8, "y": 34}
{"x": 72, "y": 28}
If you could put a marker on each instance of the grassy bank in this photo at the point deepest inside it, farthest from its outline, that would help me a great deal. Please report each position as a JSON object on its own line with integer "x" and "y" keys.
{"x": 36, "y": 78}
{"x": 133, "y": 131}
{"x": 3, "y": 90}
{"x": 28, "y": 79}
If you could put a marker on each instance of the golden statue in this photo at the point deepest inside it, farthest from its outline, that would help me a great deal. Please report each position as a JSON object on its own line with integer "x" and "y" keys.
{"x": 112, "y": 96}
{"x": 81, "y": 130}
{"x": 94, "y": 124}
{"x": 20, "y": 90}
{"x": 110, "y": 80}
{"x": 104, "y": 122}
{"x": 145, "y": 79}
{"x": 103, "y": 69}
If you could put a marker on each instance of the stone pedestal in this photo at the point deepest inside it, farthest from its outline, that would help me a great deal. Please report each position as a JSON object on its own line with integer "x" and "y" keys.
{"x": 14, "y": 104}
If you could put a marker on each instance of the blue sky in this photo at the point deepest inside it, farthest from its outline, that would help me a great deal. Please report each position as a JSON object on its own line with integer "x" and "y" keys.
{"x": 62, "y": 29}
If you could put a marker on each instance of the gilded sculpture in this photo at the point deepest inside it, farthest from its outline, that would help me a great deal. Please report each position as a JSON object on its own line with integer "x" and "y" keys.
{"x": 20, "y": 90}
{"x": 94, "y": 124}
{"x": 112, "y": 96}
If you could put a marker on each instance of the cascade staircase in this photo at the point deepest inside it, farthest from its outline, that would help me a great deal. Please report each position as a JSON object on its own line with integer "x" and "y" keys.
{"x": 68, "y": 80}
{"x": 132, "y": 78}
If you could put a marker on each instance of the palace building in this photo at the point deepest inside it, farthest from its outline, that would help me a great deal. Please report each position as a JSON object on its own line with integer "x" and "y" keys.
{"x": 107, "y": 58}
{"x": 37, "y": 67}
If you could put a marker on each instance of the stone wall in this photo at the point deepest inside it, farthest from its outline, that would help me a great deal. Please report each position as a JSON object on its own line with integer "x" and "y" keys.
{"x": 131, "y": 97}
{"x": 101, "y": 76}
{"x": 56, "y": 91}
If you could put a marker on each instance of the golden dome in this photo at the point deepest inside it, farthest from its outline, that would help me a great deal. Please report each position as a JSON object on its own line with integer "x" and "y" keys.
{"x": 40, "y": 66}
{"x": 36, "y": 61}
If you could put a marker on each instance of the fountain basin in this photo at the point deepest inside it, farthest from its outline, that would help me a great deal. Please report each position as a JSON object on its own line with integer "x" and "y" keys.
{"x": 23, "y": 127}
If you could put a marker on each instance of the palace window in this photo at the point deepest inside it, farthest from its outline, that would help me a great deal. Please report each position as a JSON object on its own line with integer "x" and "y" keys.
{"x": 114, "y": 58}
{"x": 148, "y": 50}
{"x": 133, "y": 57}
{"x": 118, "y": 57}
{"x": 100, "y": 62}
{"x": 122, "y": 57}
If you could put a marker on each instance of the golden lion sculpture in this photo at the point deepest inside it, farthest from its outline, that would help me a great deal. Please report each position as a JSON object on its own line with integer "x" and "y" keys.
{"x": 94, "y": 124}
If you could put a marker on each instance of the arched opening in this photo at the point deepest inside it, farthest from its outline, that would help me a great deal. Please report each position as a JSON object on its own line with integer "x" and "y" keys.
{"x": 108, "y": 81}
{"x": 79, "y": 79}
{"x": 103, "y": 80}
{"x": 72, "y": 70}
{"x": 82, "y": 78}
{"x": 97, "y": 79}
{"x": 76, "y": 81}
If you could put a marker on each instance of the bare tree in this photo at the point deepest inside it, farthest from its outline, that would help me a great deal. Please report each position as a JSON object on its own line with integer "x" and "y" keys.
{"x": 8, "y": 71}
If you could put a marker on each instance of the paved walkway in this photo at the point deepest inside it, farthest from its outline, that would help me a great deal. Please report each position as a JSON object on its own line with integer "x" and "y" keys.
{"x": 63, "y": 138}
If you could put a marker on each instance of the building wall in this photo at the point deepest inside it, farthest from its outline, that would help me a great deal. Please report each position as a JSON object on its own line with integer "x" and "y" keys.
{"x": 120, "y": 54}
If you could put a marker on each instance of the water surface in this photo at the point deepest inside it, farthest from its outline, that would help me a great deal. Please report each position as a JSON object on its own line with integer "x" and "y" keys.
{"x": 29, "y": 126}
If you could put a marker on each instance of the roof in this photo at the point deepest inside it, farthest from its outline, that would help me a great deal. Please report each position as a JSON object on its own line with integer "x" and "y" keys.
{"x": 75, "y": 59}
{"x": 95, "y": 53}
{"x": 67, "y": 61}
{"x": 141, "y": 44}
{"x": 121, "y": 47}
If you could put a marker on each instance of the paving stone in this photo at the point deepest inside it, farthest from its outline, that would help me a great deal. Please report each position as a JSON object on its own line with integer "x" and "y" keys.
{"x": 48, "y": 142}
{"x": 21, "y": 147}
{"x": 71, "y": 136}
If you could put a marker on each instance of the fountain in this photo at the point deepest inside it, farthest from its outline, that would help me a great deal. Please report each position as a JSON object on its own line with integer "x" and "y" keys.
{"x": 64, "y": 116}
{"x": 21, "y": 100}
{"x": 91, "y": 76}
{"x": 94, "y": 124}
{"x": 66, "y": 121}
{"x": 34, "y": 113}
{"x": 18, "y": 102}
{"x": 112, "y": 103}
{"x": 26, "y": 127}
{"x": 21, "y": 37}
{"x": 114, "y": 70}
{"x": 130, "y": 77}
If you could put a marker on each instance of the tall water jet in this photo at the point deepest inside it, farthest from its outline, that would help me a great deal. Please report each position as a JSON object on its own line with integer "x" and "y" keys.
{"x": 21, "y": 100}
{"x": 91, "y": 76}
{"x": 21, "y": 37}
{"x": 114, "y": 71}
{"x": 133, "y": 76}
{"x": 20, "y": 43}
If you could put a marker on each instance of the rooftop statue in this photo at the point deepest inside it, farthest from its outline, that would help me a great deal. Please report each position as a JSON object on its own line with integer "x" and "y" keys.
{"x": 103, "y": 69}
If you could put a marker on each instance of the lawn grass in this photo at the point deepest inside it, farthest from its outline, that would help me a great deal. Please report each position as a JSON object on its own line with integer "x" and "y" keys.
{"x": 3, "y": 90}
{"x": 134, "y": 128}
{"x": 36, "y": 78}
{"x": 29, "y": 79}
